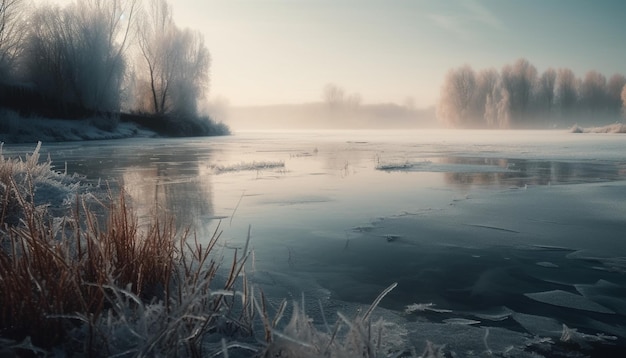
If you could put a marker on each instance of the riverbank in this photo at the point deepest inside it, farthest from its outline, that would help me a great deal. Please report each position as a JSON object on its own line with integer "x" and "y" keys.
{"x": 15, "y": 128}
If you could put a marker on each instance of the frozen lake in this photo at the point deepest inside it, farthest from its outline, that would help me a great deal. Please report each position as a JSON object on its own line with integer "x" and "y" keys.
{"x": 508, "y": 234}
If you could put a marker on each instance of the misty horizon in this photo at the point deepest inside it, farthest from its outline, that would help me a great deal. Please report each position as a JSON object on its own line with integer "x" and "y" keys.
{"x": 283, "y": 52}
{"x": 444, "y": 177}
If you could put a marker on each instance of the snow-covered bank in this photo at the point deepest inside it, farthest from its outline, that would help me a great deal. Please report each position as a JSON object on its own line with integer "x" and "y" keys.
{"x": 611, "y": 128}
{"x": 17, "y": 129}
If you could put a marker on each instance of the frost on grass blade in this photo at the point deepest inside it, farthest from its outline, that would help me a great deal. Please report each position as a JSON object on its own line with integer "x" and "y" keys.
{"x": 422, "y": 307}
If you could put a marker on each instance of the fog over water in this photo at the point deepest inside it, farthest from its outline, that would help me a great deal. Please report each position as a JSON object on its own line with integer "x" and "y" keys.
{"x": 519, "y": 232}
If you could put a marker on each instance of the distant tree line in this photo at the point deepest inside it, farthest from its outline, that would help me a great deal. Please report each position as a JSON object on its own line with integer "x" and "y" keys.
{"x": 519, "y": 97}
{"x": 104, "y": 56}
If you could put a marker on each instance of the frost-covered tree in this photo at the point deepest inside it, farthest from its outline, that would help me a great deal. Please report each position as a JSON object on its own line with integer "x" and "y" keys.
{"x": 76, "y": 53}
{"x": 339, "y": 101}
{"x": 614, "y": 89}
{"x": 497, "y": 108}
{"x": 543, "y": 98}
{"x": 566, "y": 91}
{"x": 48, "y": 58}
{"x": 518, "y": 97}
{"x": 12, "y": 26}
{"x": 624, "y": 101}
{"x": 518, "y": 80}
{"x": 173, "y": 65}
{"x": 593, "y": 92}
{"x": 333, "y": 95}
{"x": 454, "y": 108}
{"x": 486, "y": 82}
{"x": 504, "y": 109}
{"x": 191, "y": 79}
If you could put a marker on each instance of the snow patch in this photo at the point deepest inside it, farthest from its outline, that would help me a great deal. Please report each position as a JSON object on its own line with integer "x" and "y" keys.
{"x": 16, "y": 129}
{"x": 244, "y": 166}
{"x": 611, "y": 128}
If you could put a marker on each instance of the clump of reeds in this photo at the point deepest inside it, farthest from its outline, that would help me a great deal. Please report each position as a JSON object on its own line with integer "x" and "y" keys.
{"x": 97, "y": 282}
{"x": 357, "y": 337}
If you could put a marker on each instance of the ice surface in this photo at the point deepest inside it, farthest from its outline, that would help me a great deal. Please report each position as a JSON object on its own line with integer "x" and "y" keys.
{"x": 567, "y": 299}
{"x": 547, "y": 264}
{"x": 324, "y": 234}
{"x": 538, "y": 325}
{"x": 495, "y": 314}
{"x": 421, "y": 307}
{"x": 462, "y": 321}
{"x": 433, "y": 167}
{"x": 606, "y": 293}
{"x": 252, "y": 166}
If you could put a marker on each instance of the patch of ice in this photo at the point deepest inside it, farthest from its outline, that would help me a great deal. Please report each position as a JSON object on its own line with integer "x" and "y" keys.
{"x": 421, "y": 307}
{"x": 397, "y": 166}
{"x": 598, "y": 326}
{"x": 611, "y": 264}
{"x": 569, "y": 300}
{"x": 538, "y": 325}
{"x": 462, "y": 321}
{"x": 546, "y": 264}
{"x": 605, "y": 293}
{"x": 495, "y": 314}
{"x": 431, "y": 167}
{"x": 243, "y": 166}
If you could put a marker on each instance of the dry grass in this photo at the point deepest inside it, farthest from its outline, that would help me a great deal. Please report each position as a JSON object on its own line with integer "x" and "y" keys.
{"x": 77, "y": 281}
{"x": 96, "y": 282}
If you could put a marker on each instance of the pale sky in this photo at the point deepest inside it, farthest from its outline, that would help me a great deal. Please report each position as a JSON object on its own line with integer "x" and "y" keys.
{"x": 285, "y": 51}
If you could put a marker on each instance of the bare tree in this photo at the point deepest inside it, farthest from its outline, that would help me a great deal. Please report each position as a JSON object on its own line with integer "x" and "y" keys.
{"x": 47, "y": 58}
{"x": 498, "y": 107}
{"x": 624, "y": 101}
{"x": 155, "y": 33}
{"x": 519, "y": 80}
{"x": 593, "y": 92}
{"x": 76, "y": 53}
{"x": 115, "y": 19}
{"x": 486, "y": 82}
{"x": 191, "y": 77}
{"x": 11, "y": 34}
{"x": 566, "y": 91}
{"x": 504, "y": 109}
{"x": 173, "y": 66}
{"x": 544, "y": 93}
{"x": 614, "y": 89}
{"x": 456, "y": 97}
{"x": 333, "y": 95}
